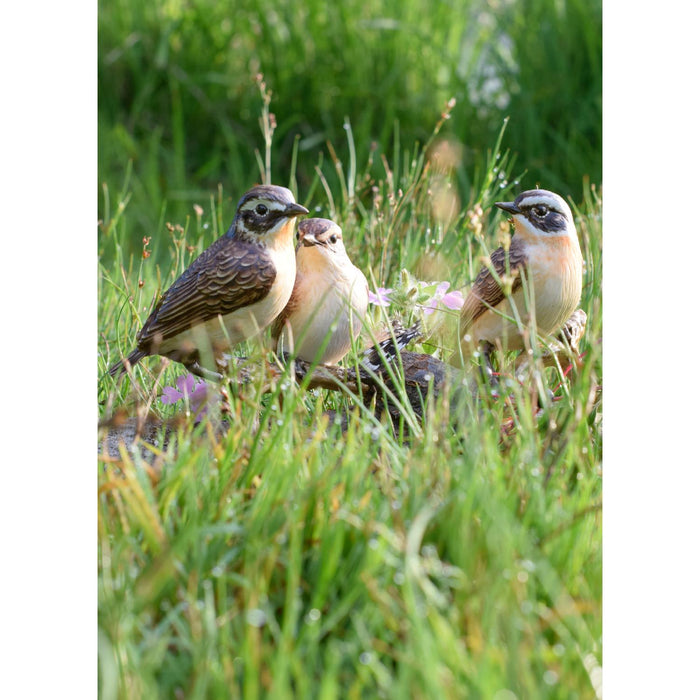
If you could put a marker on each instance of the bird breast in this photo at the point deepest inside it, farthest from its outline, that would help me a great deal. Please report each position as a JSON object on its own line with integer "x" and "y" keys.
{"x": 273, "y": 304}
{"x": 556, "y": 270}
{"x": 329, "y": 299}
{"x": 553, "y": 276}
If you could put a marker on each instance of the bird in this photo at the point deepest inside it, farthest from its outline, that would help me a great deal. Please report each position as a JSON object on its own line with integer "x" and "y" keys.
{"x": 545, "y": 252}
{"x": 232, "y": 291}
{"x": 329, "y": 301}
{"x": 388, "y": 346}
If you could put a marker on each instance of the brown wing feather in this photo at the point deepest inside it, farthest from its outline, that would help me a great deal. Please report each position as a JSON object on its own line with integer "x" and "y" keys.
{"x": 487, "y": 291}
{"x": 228, "y": 275}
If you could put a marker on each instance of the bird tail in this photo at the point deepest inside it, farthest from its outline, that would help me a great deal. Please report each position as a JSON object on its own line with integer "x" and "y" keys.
{"x": 118, "y": 368}
{"x": 389, "y": 347}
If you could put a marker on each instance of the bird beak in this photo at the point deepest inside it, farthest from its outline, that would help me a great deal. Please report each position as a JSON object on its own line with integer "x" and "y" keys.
{"x": 308, "y": 240}
{"x": 295, "y": 209}
{"x": 510, "y": 207}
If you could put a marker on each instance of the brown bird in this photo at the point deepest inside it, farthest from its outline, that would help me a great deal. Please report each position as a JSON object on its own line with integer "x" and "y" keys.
{"x": 231, "y": 292}
{"x": 329, "y": 301}
{"x": 544, "y": 251}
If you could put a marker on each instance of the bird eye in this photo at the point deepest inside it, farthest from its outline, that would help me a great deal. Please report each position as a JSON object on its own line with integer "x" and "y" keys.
{"x": 333, "y": 239}
{"x": 540, "y": 210}
{"x": 261, "y": 210}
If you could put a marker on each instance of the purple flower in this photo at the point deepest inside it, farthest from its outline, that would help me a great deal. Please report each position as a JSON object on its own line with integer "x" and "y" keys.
{"x": 452, "y": 300}
{"x": 193, "y": 388}
{"x": 381, "y": 298}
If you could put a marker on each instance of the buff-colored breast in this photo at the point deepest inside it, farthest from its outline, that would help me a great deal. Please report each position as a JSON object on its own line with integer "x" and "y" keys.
{"x": 555, "y": 280}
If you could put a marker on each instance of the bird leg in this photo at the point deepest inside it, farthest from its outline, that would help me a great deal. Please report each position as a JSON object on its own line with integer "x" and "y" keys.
{"x": 564, "y": 347}
{"x": 487, "y": 372}
{"x": 574, "y": 328}
{"x": 208, "y": 374}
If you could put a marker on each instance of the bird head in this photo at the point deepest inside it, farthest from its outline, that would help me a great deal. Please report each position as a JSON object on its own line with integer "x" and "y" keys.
{"x": 266, "y": 213}
{"x": 321, "y": 240}
{"x": 540, "y": 213}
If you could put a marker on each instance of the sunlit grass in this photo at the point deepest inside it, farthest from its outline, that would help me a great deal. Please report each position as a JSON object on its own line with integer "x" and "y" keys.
{"x": 289, "y": 558}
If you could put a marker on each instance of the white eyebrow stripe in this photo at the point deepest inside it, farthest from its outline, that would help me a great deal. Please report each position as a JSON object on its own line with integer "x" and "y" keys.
{"x": 269, "y": 203}
{"x": 540, "y": 199}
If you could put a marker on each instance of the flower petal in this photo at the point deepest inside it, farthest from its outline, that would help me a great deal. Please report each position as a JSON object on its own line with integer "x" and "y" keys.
{"x": 200, "y": 393}
{"x": 381, "y": 298}
{"x": 170, "y": 395}
{"x": 453, "y": 300}
{"x": 441, "y": 289}
{"x": 202, "y": 411}
{"x": 190, "y": 382}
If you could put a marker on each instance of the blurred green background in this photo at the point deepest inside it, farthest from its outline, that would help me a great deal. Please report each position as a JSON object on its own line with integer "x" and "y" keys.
{"x": 178, "y": 95}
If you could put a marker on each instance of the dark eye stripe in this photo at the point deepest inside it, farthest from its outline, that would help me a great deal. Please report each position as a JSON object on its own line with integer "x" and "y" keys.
{"x": 259, "y": 223}
{"x": 553, "y": 221}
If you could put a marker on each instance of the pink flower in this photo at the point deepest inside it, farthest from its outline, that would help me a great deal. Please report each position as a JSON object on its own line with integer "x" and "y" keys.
{"x": 381, "y": 298}
{"x": 193, "y": 388}
{"x": 452, "y": 300}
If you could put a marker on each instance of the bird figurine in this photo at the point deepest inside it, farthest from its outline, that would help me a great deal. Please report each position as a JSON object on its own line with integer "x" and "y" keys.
{"x": 544, "y": 258}
{"x": 231, "y": 292}
{"x": 329, "y": 301}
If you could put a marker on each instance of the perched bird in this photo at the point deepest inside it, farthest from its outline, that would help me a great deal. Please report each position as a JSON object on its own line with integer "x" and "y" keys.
{"x": 232, "y": 291}
{"x": 329, "y": 300}
{"x": 545, "y": 251}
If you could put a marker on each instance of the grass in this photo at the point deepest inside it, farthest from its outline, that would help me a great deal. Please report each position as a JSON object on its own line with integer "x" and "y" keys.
{"x": 288, "y": 558}
{"x": 178, "y": 91}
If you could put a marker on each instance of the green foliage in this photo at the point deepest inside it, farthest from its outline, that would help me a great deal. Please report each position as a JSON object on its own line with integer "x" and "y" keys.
{"x": 178, "y": 93}
{"x": 289, "y": 558}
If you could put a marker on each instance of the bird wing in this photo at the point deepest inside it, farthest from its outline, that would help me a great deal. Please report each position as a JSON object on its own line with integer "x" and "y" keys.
{"x": 227, "y": 276}
{"x": 388, "y": 345}
{"x": 487, "y": 290}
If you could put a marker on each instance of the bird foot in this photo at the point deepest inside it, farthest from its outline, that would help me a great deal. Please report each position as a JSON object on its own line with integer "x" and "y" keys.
{"x": 208, "y": 374}
{"x": 488, "y": 374}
